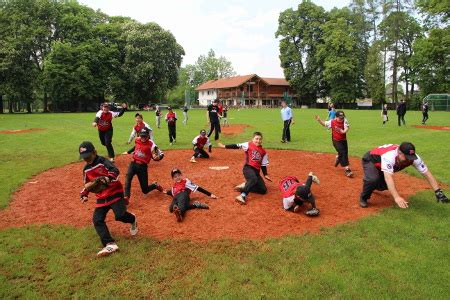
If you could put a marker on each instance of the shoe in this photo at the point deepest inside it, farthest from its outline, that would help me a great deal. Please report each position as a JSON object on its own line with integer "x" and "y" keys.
{"x": 158, "y": 187}
{"x": 177, "y": 212}
{"x": 348, "y": 173}
{"x": 111, "y": 159}
{"x": 198, "y": 204}
{"x": 170, "y": 144}
{"x": 240, "y": 199}
{"x": 134, "y": 226}
{"x": 296, "y": 208}
{"x": 193, "y": 160}
{"x": 336, "y": 162}
{"x": 315, "y": 179}
{"x": 240, "y": 187}
{"x": 174, "y": 141}
{"x": 126, "y": 199}
{"x": 283, "y": 141}
{"x": 363, "y": 203}
{"x": 108, "y": 250}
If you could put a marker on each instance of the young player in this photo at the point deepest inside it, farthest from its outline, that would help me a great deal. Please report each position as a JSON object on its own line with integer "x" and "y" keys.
{"x": 143, "y": 151}
{"x": 339, "y": 127}
{"x": 295, "y": 192}
{"x": 225, "y": 116}
{"x": 103, "y": 121}
{"x": 171, "y": 119}
{"x": 181, "y": 190}
{"x": 185, "y": 114}
{"x": 256, "y": 159}
{"x": 331, "y": 112}
{"x": 139, "y": 125}
{"x": 158, "y": 116}
{"x": 384, "y": 114}
{"x": 424, "y": 112}
{"x": 213, "y": 116}
{"x": 111, "y": 197}
{"x": 199, "y": 142}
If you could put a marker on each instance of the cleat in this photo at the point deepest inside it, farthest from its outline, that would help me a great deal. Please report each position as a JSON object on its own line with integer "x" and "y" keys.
{"x": 240, "y": 199}
{"x": 296, "y": 208}
{"x": 158, "y": 187}
{"x": 315, "y": 179}
{"x": 200, "y": 205}
{"x": 363, "y": 203}
{"x": 193, "y": 160}
{"x": 134, "y": 226}
{"x": 111, "y": 159}
{"x": 283, "y": 141}
{"x": 349, "y": 173}
{"x": 240, "y": 187}
{"x": 336, "y": 162}
{"x": 108, "y": 250}
{"x": 177, "y": 212}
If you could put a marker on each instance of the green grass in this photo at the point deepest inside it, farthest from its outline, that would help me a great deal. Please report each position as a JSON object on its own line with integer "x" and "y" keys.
{"x": 394, "y": 254}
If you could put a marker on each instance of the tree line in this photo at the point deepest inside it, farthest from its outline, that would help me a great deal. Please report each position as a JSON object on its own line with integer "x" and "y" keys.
{"x": 69, "y": 57}
{"x": 353, "y": 52}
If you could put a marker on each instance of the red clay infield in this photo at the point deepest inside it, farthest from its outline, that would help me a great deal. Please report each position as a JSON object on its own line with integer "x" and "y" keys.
{"x": 15, "y": 131}
{"x": 52, "y": 198}
{"x": 432, "y": 127}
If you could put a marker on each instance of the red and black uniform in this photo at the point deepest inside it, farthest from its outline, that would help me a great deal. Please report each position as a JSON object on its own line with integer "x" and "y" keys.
{"x": 181, "y": 192}
{"x": 105, "y": 128}
{"x": 199, "y": 143}
{"x": 289, "y": 190}
{"x": 256, "y": 159}
{"x": 339, "y": 139}
{"x": 171, "y": 119}
{"x": 142, "y": 154}
{"x": 213, "y": 113}
{"x": 424, "y": 112}
{"x": 110, "y": 198}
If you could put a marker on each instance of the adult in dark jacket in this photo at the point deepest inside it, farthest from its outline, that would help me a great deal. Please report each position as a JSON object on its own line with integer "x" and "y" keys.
{"x": 401, "y": 111}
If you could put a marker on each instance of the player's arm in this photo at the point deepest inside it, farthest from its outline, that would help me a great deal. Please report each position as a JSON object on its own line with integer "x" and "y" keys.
{"x": 97, "y": 118}
{"x": 319, "y": 120}
{"x": 389, "y": 178}
{"x": 346, "y": 126}
{"x": 130, "y": 151}
{"x": 243, "y": 146}
{"x": 208, "y": 142}
{"x": 264, "y": 163}
{"x": 207, "y": 116}
{"x": 132, "y": 135}
{"x": 120, "y": 113}
{"x": 113, "y": 171}
{"x": 203, "y": 191}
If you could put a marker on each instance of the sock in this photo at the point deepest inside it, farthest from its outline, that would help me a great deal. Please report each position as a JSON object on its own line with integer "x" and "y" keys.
{"x": 243, "y": 195}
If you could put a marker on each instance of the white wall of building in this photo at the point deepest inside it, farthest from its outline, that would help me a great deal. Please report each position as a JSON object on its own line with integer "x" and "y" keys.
{"x": 206, "y": 97}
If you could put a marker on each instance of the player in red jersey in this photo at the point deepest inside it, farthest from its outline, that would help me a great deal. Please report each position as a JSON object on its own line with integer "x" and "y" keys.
{"x": 103, "y": 121}
{"x": 381, "y": 163}
{"x": 295, "y": 192}
{"x": 143, "y": 151}
{"x": 171, "y": 119}
{"x": 139, "y": 125}
{"x": 181, "y": 190}
{"x": 110, "y": 198}
{"x": 199, "y": 142}
{"x": 339, "y": 127}
{"x": 256, "y": 159}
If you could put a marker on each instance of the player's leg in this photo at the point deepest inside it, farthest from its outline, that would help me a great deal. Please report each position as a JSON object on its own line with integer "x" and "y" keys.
{"x": 251, "y": 179}
{"x": 108, "y": 142}
{"x": 288, "y": 131}
{"x": 260, "y": 186}
{"x": 203, "y": 153}
{"x": 170, "y": 134}
{"x": 399, "y": 120}
{"x": 174, "y": 133}
{"x": 337, "y": 148}
{"x": 283, "y": 135}
{"x": 211, "y": 128}
{"x": 120, "y": 212}
{"x": 101, "y": 135}
{"x": 129, "y": 178}
{"x": 100, "y": 225}
{"x": 217, "y": 129}
{"x": 371, "y": 182}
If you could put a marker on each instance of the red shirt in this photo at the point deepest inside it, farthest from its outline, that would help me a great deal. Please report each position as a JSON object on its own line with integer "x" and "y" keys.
{"x": 337, "y": 126}
{"x": 200, "y": 141}
{"x": 171, "y": 118}
{"x": 183, "y": 185}
{"x": 255, "y": 156}
{"x": 105, "y": 121}
{"x": 138, "y": 127}
{"x": 288, "y": 186}
{"x": 386, "y": 158}
{"x": 143, "y": 151}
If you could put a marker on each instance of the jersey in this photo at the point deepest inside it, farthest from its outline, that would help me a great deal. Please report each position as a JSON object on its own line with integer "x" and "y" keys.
{"x": 386, "y": 159}
{"x": 103, "y": 167}
{"x": 288, "y": 186}
{"x": 143, "y": 151}
{"x": 104, "y": 120}
{"x": 425, "y": 108}
{"x": 183, "y": 185}
{"x": 158, "y": 113}
{"x": 254, "y": 156}
{"x": 213, "y": 112}
{"x": 201, "y": 141}
{"x": 336, "y": 127}
{"x": 385, "y": 111}
{"x": 225, "y": 113}
{"x": 171, "y": 118}
{"x": 139, "y": 127}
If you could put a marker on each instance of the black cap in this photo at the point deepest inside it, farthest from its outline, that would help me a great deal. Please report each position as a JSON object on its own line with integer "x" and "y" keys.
{"x": 303, "y": 192}
{"x": 408, "y": 150}
{"x": 340, "y": 113}
{"x": 169, "y": 107}
{"x": 86, "y": 148}
{"x": 144, "y": 132}
{"x": 175, "y": 171}
{"x": 203, "y": 132}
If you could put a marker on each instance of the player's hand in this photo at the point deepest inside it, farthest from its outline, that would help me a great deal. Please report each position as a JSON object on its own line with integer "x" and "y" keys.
{"x": 401, "y": 202}
{"x": 293, "y": 122}
{"x": 124, "y": 105}
{"x": 221, "y": 145}
{"x": 317, "y": 117}
{"x": 267, "y": 178}
{"x": 94, "y": 124}
{"x": 128, "y": 142}
{"x": 213, "y": 196}
{"x": 84, "y": 199}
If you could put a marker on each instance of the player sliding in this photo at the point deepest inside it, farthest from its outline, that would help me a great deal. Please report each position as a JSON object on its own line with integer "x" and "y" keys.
{"x": 199, "y": 142}
{"x": 295, "y": 192}
{"x": 256, "y": 159}
{"x": 181, "y": 190}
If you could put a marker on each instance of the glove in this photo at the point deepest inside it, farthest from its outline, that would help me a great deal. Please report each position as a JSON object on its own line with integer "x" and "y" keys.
{"x": 98, "y": 185}
{"x": 313, "y": 212}
{"x": 440, "y": 196}
{"x": 157, "y": 154}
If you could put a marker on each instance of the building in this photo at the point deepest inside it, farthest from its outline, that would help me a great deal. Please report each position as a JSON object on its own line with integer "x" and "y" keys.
{"x": 250, "y": 90}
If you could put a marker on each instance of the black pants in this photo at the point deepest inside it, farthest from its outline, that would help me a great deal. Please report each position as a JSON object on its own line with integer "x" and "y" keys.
{"x": 172, "y": 132}
{"x": 141, "y": 171}
{"x": 373, "y": 178}
{"x": 200, "y": 153}
{"x": 286, "y": 136}
{"x": 253, "y": 181}
{"x": 425, "y": 117}
{"x": 342, "y": 150}
{"x": 401, "y": 118}
{"x": 182, "y": 200}
{"x": 215, "y": 126}
{"x": 106, "y": 140}
{"x": 120, "y": 214}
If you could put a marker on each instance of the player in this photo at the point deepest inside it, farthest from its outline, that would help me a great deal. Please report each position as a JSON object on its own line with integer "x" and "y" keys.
{"x": 143, "y": 151}
{"x": 401, "y": 112}
{"x": 181, "y": 190}
{"x": 212, "y": 116}
{"x": 331, "y": 112}
{"x": 103, "y": 121}
{"x": 288, "y": 119}
{"x": 158, "y": 116}
{"x": 295, "y": 192}
{"x": 199, "y": 142}
{"x": 171, "y": 119}
{"x": 225, "y": 116}
{"x": 139, "y": 125}
{"x": 339, "y": 128}
{"x": 185, "y": 114}
{"x": 424, "y": 112}
{"x": 384, "y": 113}
{"x": 256, "y": 159}
{"x": 381, "y": 163}
{"x": 110, "y": 198}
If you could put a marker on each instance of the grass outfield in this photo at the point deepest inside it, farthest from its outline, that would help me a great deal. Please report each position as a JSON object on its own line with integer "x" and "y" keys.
{"x": 397, "y": 253}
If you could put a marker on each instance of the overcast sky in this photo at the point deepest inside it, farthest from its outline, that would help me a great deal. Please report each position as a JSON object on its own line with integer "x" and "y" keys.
{"x": 242, "y": 31}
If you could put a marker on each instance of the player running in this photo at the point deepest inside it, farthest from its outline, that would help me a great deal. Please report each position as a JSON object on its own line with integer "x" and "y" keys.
{"x": 140, "y": 124}
{"x": 199, "y": 142}
{"x": 213, "y": 115}
{"x": 256, "y": 159}
{"x": 171, "y": 119}
{"x": 295, "y": 192}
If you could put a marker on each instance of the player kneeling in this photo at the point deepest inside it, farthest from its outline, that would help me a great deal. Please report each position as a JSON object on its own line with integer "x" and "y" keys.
{"x": 199, "y": 142}
{"x": 181, "y": 190}
{"x": 295, "y": 192}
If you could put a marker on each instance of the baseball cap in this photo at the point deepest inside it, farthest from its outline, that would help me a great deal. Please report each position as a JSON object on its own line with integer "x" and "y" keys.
{"x": 203, "y": 132}
{"x": 175, "y": 171}
{"x": 303, "y": 192}
{"x": 85, "y": 149}
{"x": 340, "y": 113}
{"x": 409, "y": 150}
{"x": 169, "y": 107}
{"x": 144, "y": 132}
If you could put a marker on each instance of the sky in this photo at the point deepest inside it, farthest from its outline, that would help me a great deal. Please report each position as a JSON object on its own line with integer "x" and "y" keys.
{"x": 243, "y": 31}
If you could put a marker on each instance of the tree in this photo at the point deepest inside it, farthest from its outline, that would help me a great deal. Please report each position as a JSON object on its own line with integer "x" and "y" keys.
{"x": 435, "y": 11}
{"x": 374, "y": 73}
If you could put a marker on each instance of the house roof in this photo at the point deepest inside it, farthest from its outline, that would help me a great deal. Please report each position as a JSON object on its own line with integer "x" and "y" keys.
{"x": 225, "y": 82}
{"x": 275, "y": 81}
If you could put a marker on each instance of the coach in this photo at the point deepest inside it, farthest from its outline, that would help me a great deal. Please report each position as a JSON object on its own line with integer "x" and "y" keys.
{"x": 286, "y": 116}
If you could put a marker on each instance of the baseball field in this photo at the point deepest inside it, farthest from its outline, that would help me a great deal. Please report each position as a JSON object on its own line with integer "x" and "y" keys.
{"x": 48, "y": 244}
